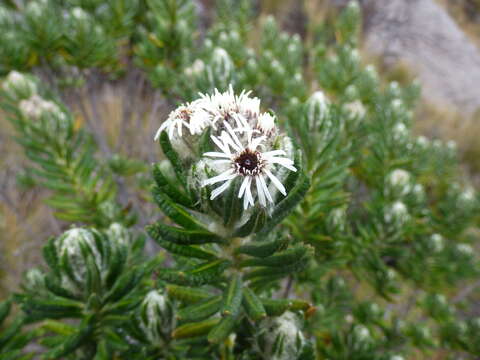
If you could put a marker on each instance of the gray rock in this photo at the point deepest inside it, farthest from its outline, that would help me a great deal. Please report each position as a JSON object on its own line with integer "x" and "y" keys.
{"x": 422, "y": 34}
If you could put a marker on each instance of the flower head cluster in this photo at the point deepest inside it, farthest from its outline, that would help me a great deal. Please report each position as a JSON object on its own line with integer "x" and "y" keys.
{"x": 246, "y": 141}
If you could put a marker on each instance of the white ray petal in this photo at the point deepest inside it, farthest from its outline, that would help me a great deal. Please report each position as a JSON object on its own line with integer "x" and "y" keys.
{"x": 245, "y": 184}
{"x": 284, "y": 162}
{"x": 217, "y": 154}
{"x": 245, "y": 202}
{"x": 227, "y": 175}
{"x": 220, "y": 144}
{"x": 260, "y": 194}
{"x": 220, "y": 189}
{"x": 248, "y": 195}
{"x": 274, "y": 153}
{"x": 265, "y": 188}
{"x": 276, "y": 182}
{"x": 234, "y": 136}
{"x": 254, "y": 143}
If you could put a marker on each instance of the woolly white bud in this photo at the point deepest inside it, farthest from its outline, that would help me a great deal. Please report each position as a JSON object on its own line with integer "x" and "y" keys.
{"x": 400, "y": 132}
{"x": 221, "y": 60}
{"x": 155, "y": 317}
{"x": 19, "y": 86}
{"x": 436, "y": 241}
{"x": 119, "y": 234}
{"x": 396, "y": 213}
{"x": 70, "y": 245}
{"x": 465, "y": 249}
{"x": 266, "y": 123}
{"x": 196, "y": 68}
{"x": 371, "y": 72}
{"x": 400, "y": 178}
{"x": 422, "y": 141}
{"x": 34, "y": 280}
{"x": 361, "y": 333}
{"x": 356, "y": 108}
{"x": 317, "y": 107}
{"x": 79, "y": 14}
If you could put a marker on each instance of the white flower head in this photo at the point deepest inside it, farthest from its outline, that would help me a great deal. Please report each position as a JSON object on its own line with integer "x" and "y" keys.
{"x": 35, "y": 107}
{"x": 182, "y": 117}
{"x": 243, "y": 156}
{"x": 266, "y": 123}
{"x": 240, "y": 111}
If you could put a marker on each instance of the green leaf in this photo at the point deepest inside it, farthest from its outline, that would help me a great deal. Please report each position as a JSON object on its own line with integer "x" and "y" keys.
{"x": 174, "y": 211}
{"x": 201, "y": 310}
{"x": 172, "y": 155}
{"x": 58, "y": 307}
{"x": 222, "y": 329}
{"x": 207, "y": 273}
{"x": 284, "y": 258}
{"x": 262, "y": 249}
{"x": 276, "y": 307}
{"x": 287, "y": 205}
{"x": 5, "y": 307}
{"x": 254, "y": 223}
{"x": 232, "y": 207}
{"x": 187, "y": 294}
{"x": 186, "y": 250}
{"x": 170, "y": 189}
{"x": 124, "y": 285}
{"x": 232, "y": 297}
{"x": 72, "y": 342}
{"x": 253, "y": 306}
{"x": 277, "y": 271}
{"x": 194, "y": 329}
{"x": 182, "y": 236}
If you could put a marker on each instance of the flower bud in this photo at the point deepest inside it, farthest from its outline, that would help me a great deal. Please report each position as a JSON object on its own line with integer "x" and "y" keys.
{"x": 356, "y": 109}
{"x": 119, "y": 234}
{"x": 19, "y": 86}
{"x": 399, "y": 182}
{"x": 317, "y": 106}
{"x": 75, "y": 246}
{"x": 284, "y": 330}
{"x": 396, "y": 213}
{"x": 436, "y": 242}
{"x": 156, "y": 316}
{"x": 361, "y": 333}
{"x": 34, "y": 281}
{"x": 222, "y": 64}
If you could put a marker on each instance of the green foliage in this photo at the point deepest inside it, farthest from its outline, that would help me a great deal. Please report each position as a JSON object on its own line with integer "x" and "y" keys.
{"x": 357, "y": 254}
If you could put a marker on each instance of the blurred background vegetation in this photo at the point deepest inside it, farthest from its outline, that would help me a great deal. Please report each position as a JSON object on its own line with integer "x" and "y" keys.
{"x": 23, "y": 214}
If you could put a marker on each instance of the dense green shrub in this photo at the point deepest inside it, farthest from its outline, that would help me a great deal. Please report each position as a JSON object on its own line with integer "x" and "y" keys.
{"x": 299, "y": 217}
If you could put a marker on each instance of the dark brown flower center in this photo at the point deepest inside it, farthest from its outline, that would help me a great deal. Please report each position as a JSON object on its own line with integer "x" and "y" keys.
{"x": 248, "y": 162}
